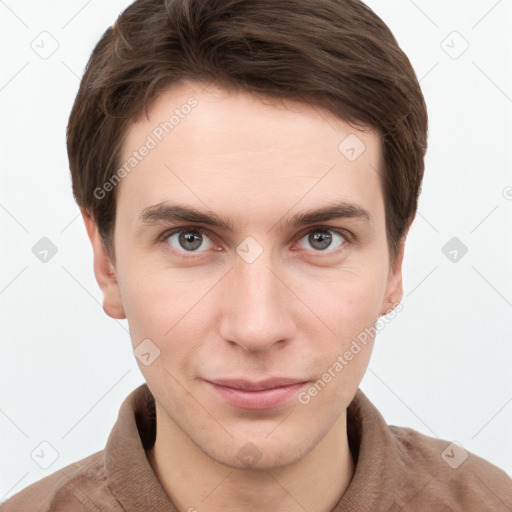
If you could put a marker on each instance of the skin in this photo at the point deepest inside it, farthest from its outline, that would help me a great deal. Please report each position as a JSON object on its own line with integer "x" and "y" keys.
{"x": 289, "y": 313}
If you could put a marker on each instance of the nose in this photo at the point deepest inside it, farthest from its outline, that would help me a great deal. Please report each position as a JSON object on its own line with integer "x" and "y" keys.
{"x": 256, "y": 312}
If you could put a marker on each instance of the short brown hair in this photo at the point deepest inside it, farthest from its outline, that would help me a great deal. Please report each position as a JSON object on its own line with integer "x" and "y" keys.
{"x": 335, "y": 54}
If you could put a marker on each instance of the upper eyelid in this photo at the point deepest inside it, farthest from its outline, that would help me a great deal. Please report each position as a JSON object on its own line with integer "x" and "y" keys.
{"x": 330, "y": 228}
{"x": 169, "y": 232}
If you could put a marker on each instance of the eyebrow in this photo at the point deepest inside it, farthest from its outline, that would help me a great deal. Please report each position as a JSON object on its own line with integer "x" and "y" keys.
{"x": 165, "y": 212}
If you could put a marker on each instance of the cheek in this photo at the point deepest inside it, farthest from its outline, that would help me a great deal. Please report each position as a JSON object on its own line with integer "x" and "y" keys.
{"x": 346, "y": 301}
{"x": 340, "y": 360}
{"x": 148, "y": 298}
{"x": 349, "y": 306}
{"x": 163, "y": 304}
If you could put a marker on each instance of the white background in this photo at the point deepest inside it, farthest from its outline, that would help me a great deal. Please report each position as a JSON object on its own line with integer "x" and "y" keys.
{"x": 442, "y": 366}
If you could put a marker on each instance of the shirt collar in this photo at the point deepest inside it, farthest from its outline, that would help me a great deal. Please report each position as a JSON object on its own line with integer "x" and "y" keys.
{"x": 136, "y": 486}
{"x": 129, "y": 473}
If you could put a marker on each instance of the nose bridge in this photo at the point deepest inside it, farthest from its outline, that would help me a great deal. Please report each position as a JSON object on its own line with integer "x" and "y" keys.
{"x": 255, "y": 313}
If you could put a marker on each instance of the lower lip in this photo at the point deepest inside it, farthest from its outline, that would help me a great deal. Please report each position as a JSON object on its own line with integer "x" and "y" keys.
{"x": 257, "y": 400}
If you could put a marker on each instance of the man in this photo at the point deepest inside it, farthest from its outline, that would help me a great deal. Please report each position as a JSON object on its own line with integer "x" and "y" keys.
{"x": 247, "y": 173}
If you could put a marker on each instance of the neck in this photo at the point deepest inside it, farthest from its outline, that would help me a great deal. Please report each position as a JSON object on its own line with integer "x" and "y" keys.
{"x": 195, "y": 482}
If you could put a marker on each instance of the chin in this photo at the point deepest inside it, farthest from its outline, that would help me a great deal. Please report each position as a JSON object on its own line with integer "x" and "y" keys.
{"x": 261, "y": 451}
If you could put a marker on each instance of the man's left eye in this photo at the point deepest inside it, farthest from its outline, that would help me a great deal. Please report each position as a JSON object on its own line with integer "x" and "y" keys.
{"x": 322, "y": 239}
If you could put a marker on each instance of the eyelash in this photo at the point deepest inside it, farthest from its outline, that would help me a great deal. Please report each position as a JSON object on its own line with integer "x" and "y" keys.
{"x": 347, "y": 236}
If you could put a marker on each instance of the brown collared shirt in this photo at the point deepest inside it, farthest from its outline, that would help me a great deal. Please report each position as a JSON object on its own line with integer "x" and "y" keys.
{"x": 396, "y": 469}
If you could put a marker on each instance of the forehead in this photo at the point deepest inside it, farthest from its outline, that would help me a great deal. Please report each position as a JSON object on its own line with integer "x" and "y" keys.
{"x": 207, "y": 146}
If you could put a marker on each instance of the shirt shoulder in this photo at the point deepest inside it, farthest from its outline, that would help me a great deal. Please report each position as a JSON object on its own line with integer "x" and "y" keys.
{"x": 78, "y": 487}
{"x": 450, "y": 477}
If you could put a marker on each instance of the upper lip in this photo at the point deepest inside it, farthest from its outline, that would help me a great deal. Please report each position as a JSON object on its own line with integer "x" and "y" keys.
{"x": 270, "y": 383}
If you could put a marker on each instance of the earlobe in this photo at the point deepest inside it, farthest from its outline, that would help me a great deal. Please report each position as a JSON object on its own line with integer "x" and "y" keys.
{"x": 104, "y": 271}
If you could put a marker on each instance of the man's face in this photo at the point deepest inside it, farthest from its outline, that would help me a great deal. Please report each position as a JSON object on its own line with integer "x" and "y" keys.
{"x": 262, "y": 296}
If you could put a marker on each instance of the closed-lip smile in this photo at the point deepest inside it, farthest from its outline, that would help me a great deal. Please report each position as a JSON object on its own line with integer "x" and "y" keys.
{"x": 257, "y": 395}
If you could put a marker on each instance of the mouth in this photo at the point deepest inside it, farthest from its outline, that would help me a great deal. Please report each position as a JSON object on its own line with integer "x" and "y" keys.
{"x": 252, "y": 395}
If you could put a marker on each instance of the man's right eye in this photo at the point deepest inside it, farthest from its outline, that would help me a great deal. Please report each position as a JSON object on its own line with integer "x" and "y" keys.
{"x": 187, "y": 239}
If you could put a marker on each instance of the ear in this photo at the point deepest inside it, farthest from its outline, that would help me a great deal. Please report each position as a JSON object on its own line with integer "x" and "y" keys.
{"x": 104, "y": 271}
{"x": 394, "y": 287}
